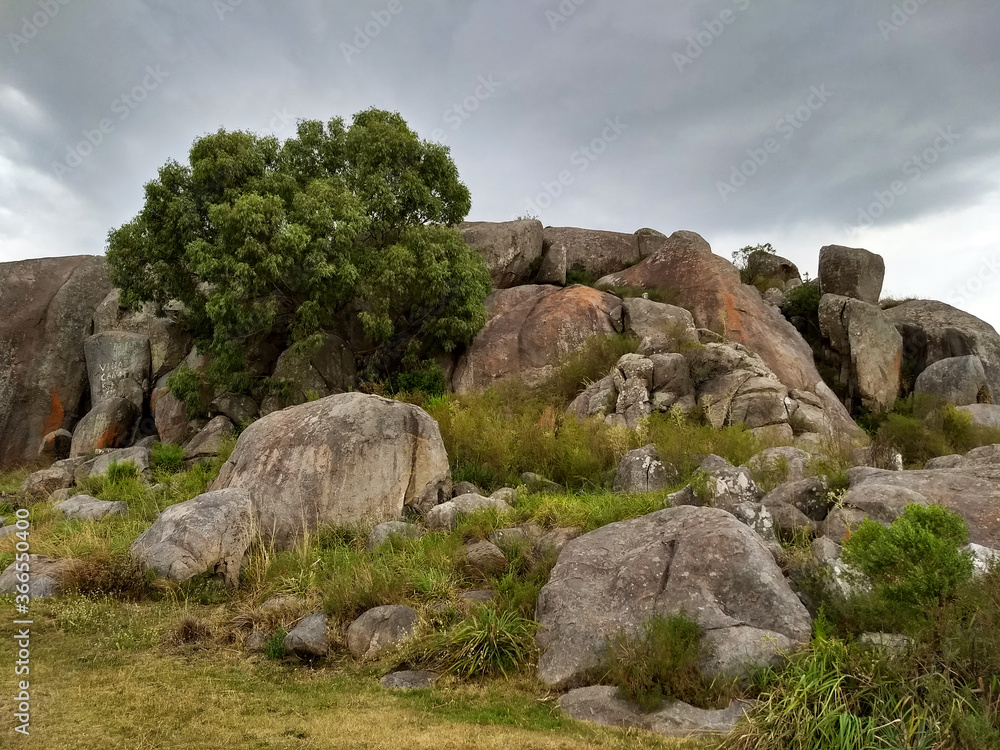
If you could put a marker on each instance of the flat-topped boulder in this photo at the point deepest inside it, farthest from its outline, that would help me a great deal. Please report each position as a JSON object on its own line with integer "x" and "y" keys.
{"x": 592, "y": 252}
{"x": 851, "y": 272}
{"x": 510, "y": 249}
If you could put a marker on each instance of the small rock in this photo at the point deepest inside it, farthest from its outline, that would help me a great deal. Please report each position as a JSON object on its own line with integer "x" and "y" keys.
{"x": 256, "y": 641}
{"x": 892, "y": 642}
{"x": 602, "y": 705}
{"x": 444, "y": 517}
{"x": 308, "y": 639}
{"x": 505, "y": 494}
{"x": 409, "y": 680}
{"x": 87, "y": 508}
{"x": 485, "y": 559}
{"x": 641, "y": 470}
{"x": 539, "y": 484}
{"x": 208, "y": 442}
{"x": 384, "y": 531}
{"x": 464, "y": 488}
{"x": 55, "y": 446}
{"x": 380, "y": 629}
{"x": 46, "y": 576}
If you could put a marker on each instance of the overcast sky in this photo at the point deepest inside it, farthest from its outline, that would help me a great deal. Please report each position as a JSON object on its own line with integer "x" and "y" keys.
{"x": 867, "y": 123}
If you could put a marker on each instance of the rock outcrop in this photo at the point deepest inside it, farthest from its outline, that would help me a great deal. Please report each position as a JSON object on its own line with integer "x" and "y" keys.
{"x": 46, "y": 312}
{"x": 710, "y": 288}
{"x": 349, "y": 458}
{"x": 958, "y": 380}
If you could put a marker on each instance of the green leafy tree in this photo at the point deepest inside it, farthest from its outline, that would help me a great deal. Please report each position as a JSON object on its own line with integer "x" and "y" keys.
{"x": 259, "y": 239}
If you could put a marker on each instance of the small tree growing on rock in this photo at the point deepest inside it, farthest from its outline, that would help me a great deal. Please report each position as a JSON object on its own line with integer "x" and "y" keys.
{"x": 261, "y": 240}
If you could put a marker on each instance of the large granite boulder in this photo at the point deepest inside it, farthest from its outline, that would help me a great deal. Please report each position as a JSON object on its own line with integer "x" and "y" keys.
{"x": 592, "y": 252}
{"x": 851, "y": 272}
{"x": 511, "y": 249}
{"x": 168, "y": 342}
{"x": 46, "y": 311}
{"x": 869, "y": 348}
{"x": 345, "y": 459}
{"x": 118, "y": 366}
{"x": 699, "y": 561}
{"x": 933, "y": 331}
{"x": 530, "y": 329}
{"x": 958, "y": 380}
{"x": 110, "y": 424}
{"x": 710, "y": 288}
{"x": 170, "y": 417}
{"x": 971, "y": 488}
{"x": 208, "y": 534}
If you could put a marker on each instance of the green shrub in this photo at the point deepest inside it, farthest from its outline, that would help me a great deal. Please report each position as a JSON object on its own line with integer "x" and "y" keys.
{"x": 427, "y": 380}
{"x": 916, "y": 560}
{"x": 658, "y": 663}
{"x": 495, "y": 436}
{"x": 166, "y": 457}
{"x": 488, "y": 643}
{"x": 836, "y": 696}
{"x": 803, "y": 302}
{"x": 188, "y": 386}
{"x": 585, "y": 365}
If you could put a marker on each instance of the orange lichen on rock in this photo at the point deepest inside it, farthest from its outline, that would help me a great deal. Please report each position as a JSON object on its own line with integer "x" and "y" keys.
{"x": 56, "y": 415}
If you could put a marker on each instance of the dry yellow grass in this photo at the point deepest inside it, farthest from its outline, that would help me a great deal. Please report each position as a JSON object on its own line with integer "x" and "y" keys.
{"x": 101, "y": 678}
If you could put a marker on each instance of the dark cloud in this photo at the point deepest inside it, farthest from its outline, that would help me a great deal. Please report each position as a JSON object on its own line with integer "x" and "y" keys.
{"x": 518, "y": 90}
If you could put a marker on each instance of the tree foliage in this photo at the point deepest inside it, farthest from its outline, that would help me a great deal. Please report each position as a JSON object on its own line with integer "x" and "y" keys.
{"x": 259, "y": 239}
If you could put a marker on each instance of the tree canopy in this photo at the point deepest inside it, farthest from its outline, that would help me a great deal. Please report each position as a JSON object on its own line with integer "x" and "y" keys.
{"x": 258, "y": 238}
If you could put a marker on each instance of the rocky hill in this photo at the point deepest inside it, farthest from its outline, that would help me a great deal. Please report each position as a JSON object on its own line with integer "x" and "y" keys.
{"x": 84, "y": 387}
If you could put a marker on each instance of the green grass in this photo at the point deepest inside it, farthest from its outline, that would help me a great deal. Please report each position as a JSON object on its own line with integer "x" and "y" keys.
{"x": 660, "y": 663}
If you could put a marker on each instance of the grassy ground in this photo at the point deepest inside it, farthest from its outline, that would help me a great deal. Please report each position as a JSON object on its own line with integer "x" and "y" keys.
{"x": 101, "y": 677}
